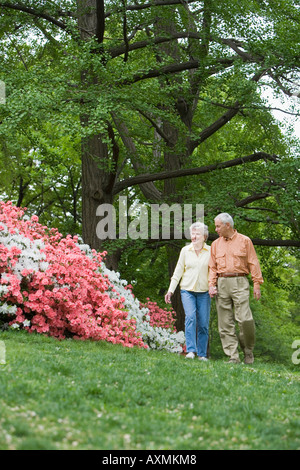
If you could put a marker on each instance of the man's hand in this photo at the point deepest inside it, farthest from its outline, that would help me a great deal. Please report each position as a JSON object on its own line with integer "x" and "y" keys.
{"x": 256, "y": 293}
{"x": 168, "y": 297}
{"x": 213, "y": 291}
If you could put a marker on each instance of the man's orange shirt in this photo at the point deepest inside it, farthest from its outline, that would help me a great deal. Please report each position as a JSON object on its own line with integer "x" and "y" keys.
{"x": 234, "y": 255}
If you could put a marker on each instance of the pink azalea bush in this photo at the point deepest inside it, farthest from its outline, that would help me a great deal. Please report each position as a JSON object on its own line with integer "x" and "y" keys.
{"x": 69, "y": 297}
{"x": 160, "y": 317}
{"x": 55, "y": 286}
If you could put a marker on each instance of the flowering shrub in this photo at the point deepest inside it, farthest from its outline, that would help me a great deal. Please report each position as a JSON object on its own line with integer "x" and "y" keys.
{"x": 160, "y": 317}
{"x": 60, "y": 287}
{"x": 154, "y": 336}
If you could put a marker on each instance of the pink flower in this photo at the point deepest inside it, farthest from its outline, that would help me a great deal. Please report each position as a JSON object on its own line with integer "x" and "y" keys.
{"x": 71, "y": 297}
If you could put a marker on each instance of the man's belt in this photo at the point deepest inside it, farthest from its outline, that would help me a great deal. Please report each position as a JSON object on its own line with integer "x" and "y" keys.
{"x": 231, "y": 274}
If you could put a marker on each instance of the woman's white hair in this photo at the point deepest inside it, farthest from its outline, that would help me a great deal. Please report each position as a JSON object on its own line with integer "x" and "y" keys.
{"x": 225, "y": 218}
{"x": 200, "y": 226}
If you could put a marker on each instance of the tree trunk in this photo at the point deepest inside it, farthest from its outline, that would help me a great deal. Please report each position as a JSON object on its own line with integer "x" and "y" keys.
{"x": 93, "y": 184}
{"x": 173, "y": 160}
{"x": 97, "y": 180}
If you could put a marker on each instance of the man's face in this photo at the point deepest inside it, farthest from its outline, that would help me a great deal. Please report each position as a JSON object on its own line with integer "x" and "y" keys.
{"x": 222, "y": 230}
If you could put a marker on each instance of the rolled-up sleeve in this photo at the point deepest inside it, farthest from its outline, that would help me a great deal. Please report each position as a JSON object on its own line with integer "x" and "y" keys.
{"x": 253, "y": 265}
{"x": 212, "y": 264}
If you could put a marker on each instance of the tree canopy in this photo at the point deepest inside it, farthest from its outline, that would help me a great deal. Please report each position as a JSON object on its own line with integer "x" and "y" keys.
{"x": 160, "y": 101}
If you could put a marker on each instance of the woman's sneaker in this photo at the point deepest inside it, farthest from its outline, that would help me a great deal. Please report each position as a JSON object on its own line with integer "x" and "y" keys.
{"x": 190, "y": 355}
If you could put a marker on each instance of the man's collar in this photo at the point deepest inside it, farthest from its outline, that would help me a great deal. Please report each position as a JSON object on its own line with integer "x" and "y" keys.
{"x": 232, "y": 236}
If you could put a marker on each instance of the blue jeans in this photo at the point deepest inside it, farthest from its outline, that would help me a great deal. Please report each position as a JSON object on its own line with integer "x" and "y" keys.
{"x": 197, "y": 310}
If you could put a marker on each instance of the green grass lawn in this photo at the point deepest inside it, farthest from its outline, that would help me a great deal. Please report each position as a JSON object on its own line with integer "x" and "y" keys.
{"x": 86, "y": 395}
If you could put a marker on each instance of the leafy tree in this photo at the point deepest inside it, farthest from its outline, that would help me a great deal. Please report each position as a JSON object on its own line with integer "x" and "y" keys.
{"x": 165, "y": 100}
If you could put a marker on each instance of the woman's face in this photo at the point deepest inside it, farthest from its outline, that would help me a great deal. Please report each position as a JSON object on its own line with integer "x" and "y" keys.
{"x": 197, "y": 238}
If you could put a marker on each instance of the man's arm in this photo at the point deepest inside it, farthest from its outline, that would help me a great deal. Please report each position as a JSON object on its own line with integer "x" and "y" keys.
{"x": 213, "y": 276}
{"x": 254, "y": 268}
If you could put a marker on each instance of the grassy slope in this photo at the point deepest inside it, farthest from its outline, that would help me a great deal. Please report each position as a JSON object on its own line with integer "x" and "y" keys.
{"x": 84, "y": 395}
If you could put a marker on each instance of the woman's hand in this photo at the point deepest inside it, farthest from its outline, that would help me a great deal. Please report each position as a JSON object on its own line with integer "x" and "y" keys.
{"x": 168, "y": 297}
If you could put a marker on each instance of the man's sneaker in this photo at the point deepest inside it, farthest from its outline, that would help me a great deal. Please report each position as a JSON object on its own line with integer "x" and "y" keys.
{"x": 233, "y": 361}
{"x": 249, "y": 358}
{"x": 202, "y": 358}
{"x": 190, "y": 355}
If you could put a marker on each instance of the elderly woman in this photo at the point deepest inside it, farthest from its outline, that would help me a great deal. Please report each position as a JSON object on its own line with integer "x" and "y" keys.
{"x": 192, "y": 273}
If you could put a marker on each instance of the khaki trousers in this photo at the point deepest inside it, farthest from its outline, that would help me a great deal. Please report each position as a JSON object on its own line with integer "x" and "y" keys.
{"x": 233, "y": 306}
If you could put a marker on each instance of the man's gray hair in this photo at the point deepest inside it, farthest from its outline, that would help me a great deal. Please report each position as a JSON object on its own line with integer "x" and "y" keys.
{"x": 200, "y": 226}
{"x": 225, "y": 218}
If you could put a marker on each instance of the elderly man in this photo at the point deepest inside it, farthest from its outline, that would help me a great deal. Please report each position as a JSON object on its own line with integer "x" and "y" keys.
{"x": 232, "y": 258}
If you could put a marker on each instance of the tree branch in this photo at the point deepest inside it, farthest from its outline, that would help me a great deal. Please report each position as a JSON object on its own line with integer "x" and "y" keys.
{"x": 266, "y": 242}
{"x": 215, "y": 126}
{"x": 33, "y": 12}
{"x": 252, "y": 198}
{"x": 119, "y": 50}
{"x": 156, "y": 127}
{"x": 100, "y": 20}
{"x": 285, "y": 90}
{"x": 246, "y": 56}
{"x": 212, "y": 236}
{"x": 155, "y": 3}
{"x": 171, "y": 69}
{"x": 148, "y": 188}
{"x": 226, "y": 117}
{"x": 191, "y": 171}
